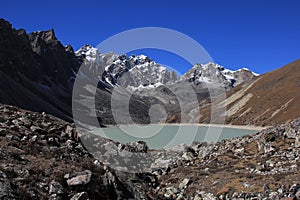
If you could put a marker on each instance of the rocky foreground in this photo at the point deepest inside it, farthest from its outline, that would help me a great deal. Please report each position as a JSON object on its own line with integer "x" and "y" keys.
{"x": 42, "y": 157}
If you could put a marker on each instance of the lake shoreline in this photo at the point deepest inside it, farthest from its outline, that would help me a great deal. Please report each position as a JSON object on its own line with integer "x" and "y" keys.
{"x": 244, "y": 127}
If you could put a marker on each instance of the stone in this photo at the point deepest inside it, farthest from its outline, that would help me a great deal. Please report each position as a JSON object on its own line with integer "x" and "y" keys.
{"x": 187, "y": 156}
{"x": 80, "y": 178}
{"x": 208, "y": 196}
{"x": 25, "y": 138}
{"x": 171, "y": 192}
{"x": 17, "y": 122}
{"x": 6, "y": 192}
{"x": 111, "y": 148}
{"x": 297, "y": 141}
{"x": 184, "y": 184}
{"x": 223, "y": 191}
{"x": 33, "y": 139}
{"x": 37, "y": 129}
{"x": 192, "y": 151}
{"x": 54, "y": 130}
{"x": 268, "y": 148}
{"x": 239, "y": 151}
{"x": 69, "y": 130}
{"x": 43, "y": 186}
{"x": 139, "y": 146}
{"x": 294, "y": 188}
{"x": 206, "y": 170}
{"x": 149, "y": 178}
{"x": 97, "y": 162}
{"x": 266, "y": 188}
{"x": 247, "y": 185}
{"x": 273, "y": 195}
{"x": 2, "y": 132}
{"x": 45, "y": 124}
{"x": 52, "y": 141}
{"x": 290, "y": 133}
{"x": 180, "y": 197}
{"x": 55, "y": 197}
{"x": 25, "y": 121}
{"x": 32, "y": 193}
{"x": 297, "y": 195}
{"x": 197, "y": 197}
{"x": 160, "y": 164}
{"x": 80, "y": 196}
{"x": 55, "y": 188}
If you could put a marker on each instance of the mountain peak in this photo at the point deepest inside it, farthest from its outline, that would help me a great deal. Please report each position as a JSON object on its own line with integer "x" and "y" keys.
{"x": 88, "y": 52}
{"x": 215, "y": 73}
{"x": 48, "y": 36}
{"x": 4, "y": 23}
{"x": 86, "y": 48}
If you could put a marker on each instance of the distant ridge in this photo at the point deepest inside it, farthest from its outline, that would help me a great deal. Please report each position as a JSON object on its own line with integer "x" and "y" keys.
{"x": 268, "y": 100}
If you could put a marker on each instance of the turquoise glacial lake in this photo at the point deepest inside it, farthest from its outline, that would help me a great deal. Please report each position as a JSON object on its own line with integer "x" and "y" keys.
{"x": 167, "y": 136}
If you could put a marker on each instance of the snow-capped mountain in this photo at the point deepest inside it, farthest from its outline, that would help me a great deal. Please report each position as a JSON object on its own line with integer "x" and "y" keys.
{"x": 134, "y": 72}
{"x": 91, "y": 54}
{"x": 140, "y": 72}
{"x": 213, "y": 73}
{"x": 94, "y": 61}
{"x": 151, "y": 84}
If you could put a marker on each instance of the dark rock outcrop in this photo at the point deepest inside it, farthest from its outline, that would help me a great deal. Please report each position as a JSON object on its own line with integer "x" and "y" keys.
{"x": 58, "y": 62}
{"x": 36, "y": 71}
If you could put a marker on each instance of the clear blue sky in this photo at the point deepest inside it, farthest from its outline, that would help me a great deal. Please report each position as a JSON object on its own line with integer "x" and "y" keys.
{"x": 259, "y": 34}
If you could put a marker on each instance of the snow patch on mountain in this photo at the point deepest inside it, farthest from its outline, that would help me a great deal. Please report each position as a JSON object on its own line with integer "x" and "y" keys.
{"x": 215, "y": 73}
{"x": 135, "y": 71}
{"x": 138, "y": 72}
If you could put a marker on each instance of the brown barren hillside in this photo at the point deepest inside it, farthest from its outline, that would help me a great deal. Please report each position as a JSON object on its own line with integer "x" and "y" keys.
{"x": 270, "y": 99}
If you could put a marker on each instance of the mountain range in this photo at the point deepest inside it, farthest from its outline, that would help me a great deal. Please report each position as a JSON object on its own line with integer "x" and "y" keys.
{"x": 38, "y": 73}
